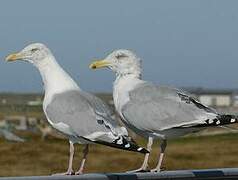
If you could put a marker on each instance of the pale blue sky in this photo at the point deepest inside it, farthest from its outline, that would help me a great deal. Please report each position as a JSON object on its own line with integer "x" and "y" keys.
{"x": 181, "y": 42}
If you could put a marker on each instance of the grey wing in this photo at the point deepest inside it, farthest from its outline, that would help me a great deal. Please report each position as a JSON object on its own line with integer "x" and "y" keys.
{"x": 104, "y": 114}
{"x": 153, "y": 108}
{"x": 72, "y": 114}
{"x": 99, "y": 105}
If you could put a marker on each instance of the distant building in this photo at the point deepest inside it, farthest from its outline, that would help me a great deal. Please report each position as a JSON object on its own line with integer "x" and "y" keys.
{"x": 32, "y": 99}
{"x": 37, "y": 102}
{"x": 4, "y": 101}
{"x": 216, "y": 98}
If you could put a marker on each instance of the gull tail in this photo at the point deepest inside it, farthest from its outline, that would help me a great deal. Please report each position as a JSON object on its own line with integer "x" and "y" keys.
{"x": 124, "y": 143}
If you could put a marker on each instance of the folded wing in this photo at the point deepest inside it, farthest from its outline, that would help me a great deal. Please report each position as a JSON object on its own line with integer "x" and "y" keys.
{"x": 152, "y": 108}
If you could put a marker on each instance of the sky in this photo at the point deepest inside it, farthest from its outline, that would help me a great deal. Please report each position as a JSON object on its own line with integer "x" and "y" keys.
{"x": 185, "y": 43}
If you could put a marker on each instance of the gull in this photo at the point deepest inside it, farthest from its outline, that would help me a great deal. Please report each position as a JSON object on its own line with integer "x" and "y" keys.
{"x": 82, "y": 117}
{"x": 155, "y": 112}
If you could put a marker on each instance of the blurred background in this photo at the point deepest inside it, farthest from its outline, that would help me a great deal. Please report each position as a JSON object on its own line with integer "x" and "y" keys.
{"x": 185, "y": 44}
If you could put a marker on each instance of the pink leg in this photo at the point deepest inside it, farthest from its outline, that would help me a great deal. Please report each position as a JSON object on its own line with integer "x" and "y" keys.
{"x": 144, "y": 166}
{"x": 71, "y": 157}
{"x": 161, "y": 156}
{"x": 85, "y": 153}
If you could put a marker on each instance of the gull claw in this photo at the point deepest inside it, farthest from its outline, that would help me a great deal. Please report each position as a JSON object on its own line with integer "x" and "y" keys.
{"x": 158, "y": 170}
{"x": 79, "y": 173}
{"x": 68, "y": 173}
{"x": 140, "y": 170}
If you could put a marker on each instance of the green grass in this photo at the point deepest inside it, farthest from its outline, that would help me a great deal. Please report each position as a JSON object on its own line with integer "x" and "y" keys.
{"x": 36, "y": 157}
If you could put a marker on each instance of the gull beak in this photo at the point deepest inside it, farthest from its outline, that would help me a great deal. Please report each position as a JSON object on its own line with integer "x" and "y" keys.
{"x": 99, "y": 64}
{"x": 13, "y": 57}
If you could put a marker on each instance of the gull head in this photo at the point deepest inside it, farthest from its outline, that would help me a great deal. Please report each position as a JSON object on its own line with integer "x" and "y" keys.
{"x": 122, "y": 62}
{"x": 33, "y": 53}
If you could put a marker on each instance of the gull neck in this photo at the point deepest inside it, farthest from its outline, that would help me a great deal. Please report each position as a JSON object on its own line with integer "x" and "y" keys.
{"x": 55, "y": 79}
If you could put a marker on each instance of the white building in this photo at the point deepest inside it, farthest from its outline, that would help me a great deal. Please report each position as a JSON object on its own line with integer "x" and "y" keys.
{"x": 216, "y": 98}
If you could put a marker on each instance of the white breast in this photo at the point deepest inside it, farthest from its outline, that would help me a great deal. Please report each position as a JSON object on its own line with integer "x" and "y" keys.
{"x": 122, "y": 86}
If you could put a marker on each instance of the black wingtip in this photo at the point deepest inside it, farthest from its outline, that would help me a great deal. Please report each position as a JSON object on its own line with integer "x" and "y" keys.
{"x": 136, "y": 148}
{"x": 222, "y": 119}
{"x": 131, "y": 147}
{"x": 144, "y": 151}
{"x": 227, "y": 119}
{"x": 123, "y": 143}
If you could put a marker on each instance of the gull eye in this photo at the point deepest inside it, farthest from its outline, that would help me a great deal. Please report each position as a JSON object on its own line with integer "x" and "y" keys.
{"x": 120, "y": 56}
{"x": 34, "y": 50}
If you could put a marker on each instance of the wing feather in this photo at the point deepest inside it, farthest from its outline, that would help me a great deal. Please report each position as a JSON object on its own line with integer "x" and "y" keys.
{"x": 72, "y": 113}
{"x": 152, "y": 108}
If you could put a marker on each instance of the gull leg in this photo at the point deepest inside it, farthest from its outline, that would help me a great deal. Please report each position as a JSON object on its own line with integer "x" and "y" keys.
{"x": 71, "y": 157}
{"x": 85, "y": 153}
{"x": 163, "y": 146}
{"x": 144, "y": 166}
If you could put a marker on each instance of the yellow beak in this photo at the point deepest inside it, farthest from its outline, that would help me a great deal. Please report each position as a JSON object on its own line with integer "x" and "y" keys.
{"x": 99, "y": 64}
{"x": 13, "y": 57}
